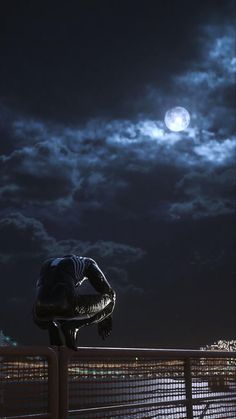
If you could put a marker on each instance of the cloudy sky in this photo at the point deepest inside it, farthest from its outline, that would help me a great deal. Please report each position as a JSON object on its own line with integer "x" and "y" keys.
{"x": 87, "y": 165}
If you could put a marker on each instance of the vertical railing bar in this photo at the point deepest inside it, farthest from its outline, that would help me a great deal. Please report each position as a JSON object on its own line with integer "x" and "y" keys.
{"x": 188, "y": 387}
{"x": 63, "y": 382}
{"x": 53, "y": 390}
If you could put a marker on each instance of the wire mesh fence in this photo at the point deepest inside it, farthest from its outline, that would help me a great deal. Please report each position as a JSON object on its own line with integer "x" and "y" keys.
{"x": 151, "y": 384}
{"x": 214, "y": 387}
{"x": 27, "y": 377}
{"x": 116, "y": 383}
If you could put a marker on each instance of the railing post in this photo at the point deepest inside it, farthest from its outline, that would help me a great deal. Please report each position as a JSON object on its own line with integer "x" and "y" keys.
{"x": 53, "y": 395}
{"x": 188, "y": 387}
{"x": 63, "y": 382}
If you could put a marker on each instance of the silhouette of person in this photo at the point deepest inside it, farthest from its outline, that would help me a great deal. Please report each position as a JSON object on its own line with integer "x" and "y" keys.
{"x": 60, "y": 308}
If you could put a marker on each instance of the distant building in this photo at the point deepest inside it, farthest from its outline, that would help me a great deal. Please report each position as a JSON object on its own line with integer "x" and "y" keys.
{"x": 6, "y": 340}
{"x": 221, "y": 345}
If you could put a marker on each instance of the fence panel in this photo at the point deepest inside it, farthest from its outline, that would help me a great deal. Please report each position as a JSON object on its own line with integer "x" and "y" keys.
{"x": 28, "y": 382}
{"x": 214, "y": 387}
{"x": 141, "y": 384}
{"x": 116, "y": 383}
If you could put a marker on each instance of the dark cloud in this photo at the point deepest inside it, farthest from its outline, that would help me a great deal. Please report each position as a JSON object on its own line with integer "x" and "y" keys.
{"x": 43, "y": 172}
{"x": 26, "y": 236}
{"x": 201, "y": 207}
{"x": 22, "y": 237}
{"x": 121, "y": 281}
{"x": 93, "y": 60}
{"x": 208, "y": 193}
{"x": 118, "y": 253}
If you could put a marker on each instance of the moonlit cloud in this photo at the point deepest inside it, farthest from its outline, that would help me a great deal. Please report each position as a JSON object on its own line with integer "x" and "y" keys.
{"x": 217, "y": 152}
{"x": 222, "y": 50}
{"x": 218, "y": 64}
{"x": 90, "y": 167}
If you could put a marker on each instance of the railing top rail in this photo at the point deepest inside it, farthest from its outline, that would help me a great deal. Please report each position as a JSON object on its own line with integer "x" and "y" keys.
{"x": 28, "y": 351}
{"x": 146, "y": 352}
{"x": 114, "y": 352}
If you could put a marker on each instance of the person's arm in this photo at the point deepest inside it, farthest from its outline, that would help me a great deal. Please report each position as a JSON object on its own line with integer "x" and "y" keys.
{"x": 101, "y": 285}
{"x": 104, "y": 320}
{"x": 97, "y": 278}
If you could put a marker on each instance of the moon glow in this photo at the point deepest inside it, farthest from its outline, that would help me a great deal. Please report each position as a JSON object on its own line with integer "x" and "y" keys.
{"x": 177, "y": 119}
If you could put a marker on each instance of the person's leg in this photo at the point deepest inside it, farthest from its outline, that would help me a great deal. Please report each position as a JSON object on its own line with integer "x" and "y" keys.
{"x": 56, "y": 337}
{"x": 55, "y": 334}
{"x": 88, "y": 305}
{"x": 70, "y": 333}
{"x": 89, "y": 309}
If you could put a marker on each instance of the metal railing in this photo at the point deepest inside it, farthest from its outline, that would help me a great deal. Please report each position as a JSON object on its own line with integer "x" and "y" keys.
{"x": 147, "y": 383}
{"x": 117, "y": 383}
{"x": 28, "y": 382}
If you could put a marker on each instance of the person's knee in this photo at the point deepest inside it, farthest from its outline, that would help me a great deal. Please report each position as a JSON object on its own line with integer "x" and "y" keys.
{"x": 110, "y": 297}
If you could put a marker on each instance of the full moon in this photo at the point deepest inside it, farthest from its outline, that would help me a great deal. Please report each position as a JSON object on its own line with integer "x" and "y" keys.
{"x": 177, "y": 119}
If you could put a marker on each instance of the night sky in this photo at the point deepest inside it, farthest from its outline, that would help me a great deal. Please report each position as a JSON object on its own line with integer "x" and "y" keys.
{"x": 87, "y": 165}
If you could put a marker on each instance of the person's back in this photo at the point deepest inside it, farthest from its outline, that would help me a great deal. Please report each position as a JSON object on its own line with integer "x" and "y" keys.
{"x": 56, "y": 287}
{"x": 58, "y": 298}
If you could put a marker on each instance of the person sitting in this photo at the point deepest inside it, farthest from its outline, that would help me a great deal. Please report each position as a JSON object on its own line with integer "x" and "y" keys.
{"x": 59, "y": 306}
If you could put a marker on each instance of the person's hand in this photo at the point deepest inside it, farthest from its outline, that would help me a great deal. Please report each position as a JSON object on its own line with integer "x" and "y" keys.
{"x": 112, "y": 295}
{"x": 105, "y": 327}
